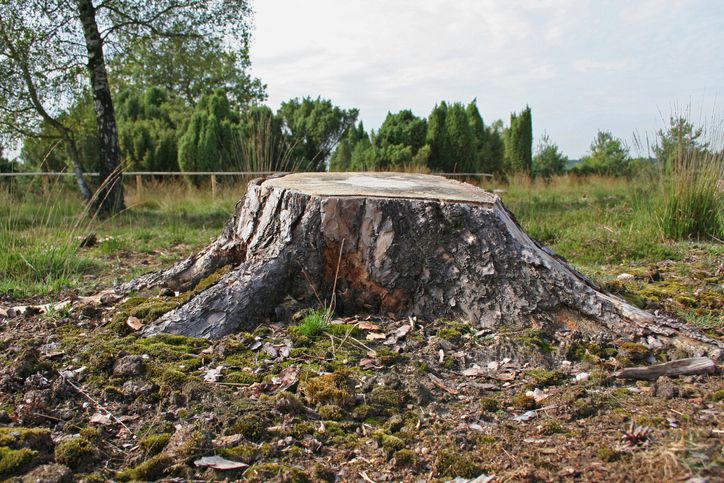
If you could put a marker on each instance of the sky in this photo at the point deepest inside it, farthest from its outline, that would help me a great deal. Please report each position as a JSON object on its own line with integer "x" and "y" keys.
{"x": 582, "y": 66}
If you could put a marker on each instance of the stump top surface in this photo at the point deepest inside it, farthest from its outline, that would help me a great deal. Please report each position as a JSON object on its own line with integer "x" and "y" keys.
{"x": 384, "y": 185}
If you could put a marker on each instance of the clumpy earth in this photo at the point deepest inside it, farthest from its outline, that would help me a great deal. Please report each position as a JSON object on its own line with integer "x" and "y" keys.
{"x": 317, "y": 398}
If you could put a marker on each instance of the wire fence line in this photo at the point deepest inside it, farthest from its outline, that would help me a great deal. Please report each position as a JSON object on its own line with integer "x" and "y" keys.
{"x": 203, "y": 173}
{"x": 138, "y": 175}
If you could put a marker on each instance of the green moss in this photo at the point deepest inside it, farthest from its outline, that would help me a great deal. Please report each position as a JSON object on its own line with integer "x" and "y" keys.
{"x": 536, "y": 338}
{"x": 405, "y": 458}
{"x": 451, "y": 464}
{"x": 636, "y": 353}
{"x": 321, "y": 472}
{"x": 276, "y": 472}
{"x": 331, "y": 411}
{"x": 245, "y": 453}
{"x": 389, "y": 442}
{"x": 390, "y": 358}
{"x": 553, "y": 427}
{"x": 521, "y": 401}
{"x": 543, "y": 378}
{"x": 450, "y": 334}
{"x": 15, "y": 460}
{"x": 607, "y": 454}
{"x": 718, "y": 396}
{"x": 169, "y": 379}
{"x": 91, "y": 434}
{"x": 384, "y": 400}
{"x": 75, "y": 452}
{"x": 489, "y": 404}
{"x": 335, "y": 388}
{"x": 254, "y": 420}
{"x": 154, "y": 443}
{"x": 33, "y": 438}
{"x": 242, "y": 377}
{"x": 150, "y": 469}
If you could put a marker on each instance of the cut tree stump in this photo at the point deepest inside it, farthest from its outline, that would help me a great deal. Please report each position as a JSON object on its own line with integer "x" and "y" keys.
{"x": 391, "y": 243}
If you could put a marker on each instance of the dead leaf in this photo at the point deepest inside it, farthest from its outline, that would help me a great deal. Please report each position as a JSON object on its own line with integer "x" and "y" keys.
{"x": 219, "y": 463}
{"x": 436, "y": 380}
{"x": 368, "y": 326}
{"x": 474, "y": 371}
{"x": 134, "y": 323}
{"x": 376, "y": 336}
{"x": 403, "y": 331}
{"x": 213, "y": 374}
{"x": 100, "y": 418}
{"x": 505, "y": 376}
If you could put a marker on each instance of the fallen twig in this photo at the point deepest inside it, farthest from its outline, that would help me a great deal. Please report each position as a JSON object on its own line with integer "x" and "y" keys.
{"x": 99, "y": 405}
{"x": 680, "y": 367}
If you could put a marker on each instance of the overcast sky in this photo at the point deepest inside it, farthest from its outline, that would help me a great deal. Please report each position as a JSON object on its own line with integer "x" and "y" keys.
{"x": 581, "y": 65}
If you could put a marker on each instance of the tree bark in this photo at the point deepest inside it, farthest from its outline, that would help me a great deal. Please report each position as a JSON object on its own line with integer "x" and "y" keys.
{"x": 391, "y": 244}
{"x": 109, "y": 196}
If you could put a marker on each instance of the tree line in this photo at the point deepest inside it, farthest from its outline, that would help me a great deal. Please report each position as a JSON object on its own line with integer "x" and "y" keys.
{"x": 165, "y": 86}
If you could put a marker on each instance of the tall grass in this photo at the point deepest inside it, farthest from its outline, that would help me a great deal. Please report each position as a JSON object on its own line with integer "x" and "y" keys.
{"x": 39, "y": 242}
{"x": 692, "y": 205}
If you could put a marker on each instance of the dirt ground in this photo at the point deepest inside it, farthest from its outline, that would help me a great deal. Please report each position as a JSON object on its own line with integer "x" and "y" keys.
{"x": 83, "y": 397}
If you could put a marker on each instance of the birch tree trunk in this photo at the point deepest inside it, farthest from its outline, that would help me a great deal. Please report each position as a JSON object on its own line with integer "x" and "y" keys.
{"x": 400, "y": 244}
{"x": 109, "y": 197}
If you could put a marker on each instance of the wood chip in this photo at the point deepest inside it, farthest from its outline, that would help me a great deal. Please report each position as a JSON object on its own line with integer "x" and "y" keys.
{"x": 134, "y": 323}
{"x": 376, "y": 336}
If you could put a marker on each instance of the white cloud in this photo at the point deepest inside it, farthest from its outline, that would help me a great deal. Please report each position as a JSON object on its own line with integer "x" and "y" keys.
{"x": 580, "y": 65}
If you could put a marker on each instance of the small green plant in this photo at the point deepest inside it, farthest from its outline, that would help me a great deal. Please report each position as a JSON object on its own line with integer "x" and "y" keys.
{"x": 691, "y": 204}
{"x": 314, "y": 323}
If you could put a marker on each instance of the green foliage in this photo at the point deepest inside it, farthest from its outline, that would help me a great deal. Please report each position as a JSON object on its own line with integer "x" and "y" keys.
{"x": 314, "y": 323}
{"x": 548, "y": 160}
{"x": 519, "y": 142}
{"x": 460, "y": 141}
{"x": 190, "y": 67}
{"x": 262, "y": 146}
{"x": 148, "y": 129}
{"x": 314, "y": 127}
{"x": 207, "y": 143}
{"x": 692, "y": 205}
{"x": 47, "y": 151}
{"x": 609, "y": 156}
{"x": 399, "y": 140}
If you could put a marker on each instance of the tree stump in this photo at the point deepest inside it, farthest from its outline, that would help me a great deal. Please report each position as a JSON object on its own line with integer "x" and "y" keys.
{"x": 390, "y": 243}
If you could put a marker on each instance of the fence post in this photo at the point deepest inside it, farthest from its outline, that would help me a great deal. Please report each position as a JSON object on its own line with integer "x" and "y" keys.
{"x": 139, "y": 185}
{"x": 44, "y": 183}
{"x": 213, "y": 185}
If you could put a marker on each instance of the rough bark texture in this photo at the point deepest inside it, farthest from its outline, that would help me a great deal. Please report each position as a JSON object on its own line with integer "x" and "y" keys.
{"x": 110, "y": 192}
{"x": 395, "y": 244}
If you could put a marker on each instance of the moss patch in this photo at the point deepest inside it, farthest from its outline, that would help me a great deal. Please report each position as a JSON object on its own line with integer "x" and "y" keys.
{"x": 15, "y": 460}
{"x": 150, "y": 469}
{"x": 75, "y": 452}
{"x": 335, "y": 388}
{"x": 451, "y": 464}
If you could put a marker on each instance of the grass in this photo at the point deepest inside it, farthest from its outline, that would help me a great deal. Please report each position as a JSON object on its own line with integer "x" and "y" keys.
{"x": 40, "y": 237}
{"x": 692, "y": 206}
{"x": 603, "y": 226}
{"x": 314, "y": 323}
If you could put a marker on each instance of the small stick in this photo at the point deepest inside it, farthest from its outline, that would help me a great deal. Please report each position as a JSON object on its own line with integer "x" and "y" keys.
{"x": 98, "y": 405}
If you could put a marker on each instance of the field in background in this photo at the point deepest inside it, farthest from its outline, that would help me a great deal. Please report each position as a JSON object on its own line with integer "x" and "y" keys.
{"x": 604, "y": 226}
